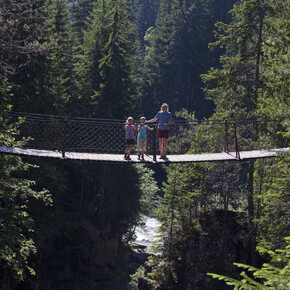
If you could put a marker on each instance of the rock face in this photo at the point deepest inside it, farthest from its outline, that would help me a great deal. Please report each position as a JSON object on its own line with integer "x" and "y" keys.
{"x": 217, "y": 240}
{"x": 222, "y": 240}
{"x": 79, "y": 239}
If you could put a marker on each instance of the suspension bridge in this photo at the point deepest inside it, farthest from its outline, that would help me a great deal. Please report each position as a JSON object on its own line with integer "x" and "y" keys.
{"x": 103, "y": 140}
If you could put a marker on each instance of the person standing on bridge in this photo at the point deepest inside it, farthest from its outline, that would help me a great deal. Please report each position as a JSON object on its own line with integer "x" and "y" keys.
{"x": 164, "y": 118}
{"x": 142, "y": 138}
{"x": 130, "y": 133}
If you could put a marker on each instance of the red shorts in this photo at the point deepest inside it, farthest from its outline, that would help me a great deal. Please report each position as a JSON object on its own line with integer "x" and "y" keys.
{"x": 163, "y": 133}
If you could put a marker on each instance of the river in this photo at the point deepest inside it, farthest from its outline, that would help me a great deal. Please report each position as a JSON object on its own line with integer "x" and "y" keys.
{"x": 146, "y": 234}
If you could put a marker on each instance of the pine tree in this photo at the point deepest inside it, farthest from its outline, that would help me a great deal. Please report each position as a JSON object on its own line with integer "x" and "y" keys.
{"x": 43, "y": 83}
{"x": 115, "y": 87}
{"x": 236, "y": 85}
{"x": 16, "y": 193}
{"x": 274, "y": 275}
{"x": 81, "y": 10}
{"x": 159, "y": 53}
{"x": 60, "y": 66}
{"x": 176, "y": 54}
{"x": 104, "y": 67}
{"x": 21, "y": 27}
{"x": 146, "y": 15}
{"x": 242, "y": 87}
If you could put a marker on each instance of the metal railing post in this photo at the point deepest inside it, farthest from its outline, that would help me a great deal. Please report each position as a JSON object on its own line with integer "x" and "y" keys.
{"x": 236, "y": 143}
{"x": 154, "y": 144}
{"x": 226, "y": 137}
{"x": 63, "y": 138}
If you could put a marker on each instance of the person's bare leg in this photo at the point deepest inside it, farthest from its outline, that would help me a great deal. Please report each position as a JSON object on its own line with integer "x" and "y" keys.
{"x": 161, "y": 145}
{"x": 138, "y": 148}
{"x": 164, "y": 146}
{"x": 126, "y": 152}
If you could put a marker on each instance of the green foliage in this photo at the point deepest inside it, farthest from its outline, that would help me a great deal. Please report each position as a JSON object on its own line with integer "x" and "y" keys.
{"x": 89, "y": 53}
{"x": 176, "y": 54}
{"x": 59, "y": 59}
{"x": 115, "y": 86}
{"x": 272, "y": 199}
{"x": 20, "y": 33}
{"x": 234, "y": 87}
{"x": 104, "y": 68}
{"x": 237, "y": 88}
{"x": 36, "y": 47}
{"x": 80, "y": 10}
{"x": 274, "y": 99}
{"x": 274, "y": 275}
{"x": 16, "y": 193}
{"x": 90, "y": 62}
{"x": 149, "y": 189}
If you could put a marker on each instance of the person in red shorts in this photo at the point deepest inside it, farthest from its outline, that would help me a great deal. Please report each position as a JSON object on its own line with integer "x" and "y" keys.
{"x": 164, "y": 118}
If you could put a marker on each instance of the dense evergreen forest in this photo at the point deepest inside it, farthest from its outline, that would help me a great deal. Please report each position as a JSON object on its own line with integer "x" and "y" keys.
{"x": 67, "y": 224}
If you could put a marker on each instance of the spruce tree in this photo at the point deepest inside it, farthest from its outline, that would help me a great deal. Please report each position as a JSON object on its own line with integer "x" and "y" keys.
{"x": 43, "y": 82}
{"x": 104, "y": 67}
{"x": 176, "y": 54}
{"x": 247, "y": 85}
{"x": 234, "y": 87}
{"x": 114, "y": 96}
{"x": 16, "y": 195}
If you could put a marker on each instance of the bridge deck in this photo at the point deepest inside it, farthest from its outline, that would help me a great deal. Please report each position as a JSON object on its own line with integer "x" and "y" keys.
{"x": 204, "y": 157}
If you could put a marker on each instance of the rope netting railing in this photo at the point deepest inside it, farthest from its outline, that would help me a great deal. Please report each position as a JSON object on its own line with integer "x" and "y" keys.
{"x": 48, "y": 132}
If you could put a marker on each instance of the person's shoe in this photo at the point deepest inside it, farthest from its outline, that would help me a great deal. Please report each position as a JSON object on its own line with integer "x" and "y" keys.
{"x": 128, "y": 157}
{"x": 165, "y": 157}
{"x": 125, "y": 156}
{"x": 142, "y": 157}
{"x": 138, "y": 156}
{"x": 161, "y": 157}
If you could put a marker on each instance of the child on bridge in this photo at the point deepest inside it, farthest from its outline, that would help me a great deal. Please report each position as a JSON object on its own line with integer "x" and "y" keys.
{"x": 130, "y": 132}
{"x": 142, "y": 138}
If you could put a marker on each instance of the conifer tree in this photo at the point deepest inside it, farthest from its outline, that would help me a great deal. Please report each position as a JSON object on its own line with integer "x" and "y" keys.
{"x": 242, "y": 87}
{"x": 43, "y": 83}
{"x": 16, "y": 193}
{"x": 60, "y": 59}
{"x": 116, "y": 84}
{"x": 236, "y": 84}
{"x": 81, "y": 10}
{"x": 159, "y": 53}
{"x": 21, "y": 27}
{"x": 105, "y": 61}
{"x": 176, "y": 54}
{"x": 86, "y": 68}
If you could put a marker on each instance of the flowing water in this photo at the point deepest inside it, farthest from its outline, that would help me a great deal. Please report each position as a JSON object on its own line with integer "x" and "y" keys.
{"x": 146, "y": 234}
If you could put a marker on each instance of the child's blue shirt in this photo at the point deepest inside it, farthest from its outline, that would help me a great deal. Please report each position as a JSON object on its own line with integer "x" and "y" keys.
{"x": 142, "y": 132}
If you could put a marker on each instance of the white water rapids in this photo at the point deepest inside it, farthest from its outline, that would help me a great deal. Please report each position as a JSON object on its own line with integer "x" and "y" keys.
{"x": 146, "y": 234}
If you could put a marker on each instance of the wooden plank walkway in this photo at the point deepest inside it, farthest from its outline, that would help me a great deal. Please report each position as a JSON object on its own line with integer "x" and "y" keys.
{"x": 204, "y": 157}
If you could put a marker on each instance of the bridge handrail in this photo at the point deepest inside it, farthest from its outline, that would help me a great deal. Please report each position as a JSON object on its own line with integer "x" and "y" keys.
{"x": 177, "y": 121}
{"x": 52, "y": 132}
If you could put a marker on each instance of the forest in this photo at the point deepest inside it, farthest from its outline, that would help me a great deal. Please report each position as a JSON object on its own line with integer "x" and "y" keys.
{"x": 68, "y": 224}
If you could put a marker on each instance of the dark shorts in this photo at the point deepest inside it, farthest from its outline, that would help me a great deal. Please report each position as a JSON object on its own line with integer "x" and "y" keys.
{"x": 130, "y": 141}
{"x": 163, "y": 133}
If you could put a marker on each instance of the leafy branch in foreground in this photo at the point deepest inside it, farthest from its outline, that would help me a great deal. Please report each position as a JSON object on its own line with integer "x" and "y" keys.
{"x": 16, "y": 194}
{"x": 273, "y": 276}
